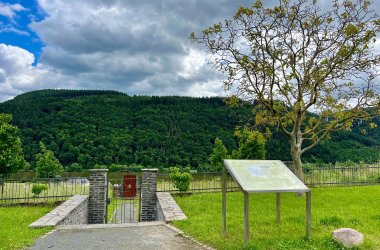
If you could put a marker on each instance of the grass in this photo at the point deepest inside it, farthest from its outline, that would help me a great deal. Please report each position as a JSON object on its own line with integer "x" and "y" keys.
{"x": 14, "y": 231}
{"x": 354, "y": 207}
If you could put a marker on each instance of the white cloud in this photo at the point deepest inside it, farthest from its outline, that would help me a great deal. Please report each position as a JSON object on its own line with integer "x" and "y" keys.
{"x": 135, "y": 46}
{"x": 9, "y": 10}
{"x": 17, "y": 74}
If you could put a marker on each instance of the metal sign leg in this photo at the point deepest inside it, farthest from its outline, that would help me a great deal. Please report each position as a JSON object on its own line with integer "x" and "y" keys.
{"x": 278, "y": 208}
{"x": 224, "y": 201}
{"x": 246, "y": 218}
{"x": 308, "y": 215}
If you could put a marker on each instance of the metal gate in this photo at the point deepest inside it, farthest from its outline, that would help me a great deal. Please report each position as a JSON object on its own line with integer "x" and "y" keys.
{"x": 124, "y": 197}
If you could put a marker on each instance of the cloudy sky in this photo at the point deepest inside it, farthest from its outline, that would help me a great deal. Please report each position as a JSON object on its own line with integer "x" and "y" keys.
{"x": 133, "y": 46}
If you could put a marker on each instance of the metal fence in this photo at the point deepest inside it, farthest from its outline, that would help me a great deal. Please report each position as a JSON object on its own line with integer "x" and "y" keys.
{"x": 18, "y": 191}
{"x": 342, "y": 176}
{"x": 41, "y": 190}
{"x": 200, "y": 183}
{"x": 313, "y": 177}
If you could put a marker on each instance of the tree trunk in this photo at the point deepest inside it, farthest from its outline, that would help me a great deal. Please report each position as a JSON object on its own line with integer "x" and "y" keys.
{"x": 296, "y": 155}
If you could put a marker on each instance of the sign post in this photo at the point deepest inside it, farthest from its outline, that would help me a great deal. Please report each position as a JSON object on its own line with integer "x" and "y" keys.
{"x": 263, "y": 176}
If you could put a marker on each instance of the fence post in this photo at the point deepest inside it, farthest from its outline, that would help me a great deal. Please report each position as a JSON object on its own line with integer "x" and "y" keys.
{"x": 97, "y": 198}
{"x": 148, "y": 194}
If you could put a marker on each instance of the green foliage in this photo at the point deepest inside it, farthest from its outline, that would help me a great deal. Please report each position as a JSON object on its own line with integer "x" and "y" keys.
{"x": 38, "y": 188}
{"x": 107, "y": 127}
{"x": 219, "y": 153}
{"x": 130, "y": 168}
{"x": 251, "y": 145}
{"x": 47, "y": 165}
{"x": 11, "y": 155}
{"x": 75, "y": 167}
{"x": 181, "y": 178}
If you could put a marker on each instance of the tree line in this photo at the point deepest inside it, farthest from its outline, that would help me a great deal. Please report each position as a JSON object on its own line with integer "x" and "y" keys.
{"x": 85, "y": 128}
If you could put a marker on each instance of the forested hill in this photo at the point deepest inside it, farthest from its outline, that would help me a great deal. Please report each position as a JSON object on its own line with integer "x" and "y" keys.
{"x": 105, "y": 127}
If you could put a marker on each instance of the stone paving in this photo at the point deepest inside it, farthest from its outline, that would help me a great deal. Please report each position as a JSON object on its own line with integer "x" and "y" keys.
{"x": 170, "y": 209}
{"x": 155, "y": 235}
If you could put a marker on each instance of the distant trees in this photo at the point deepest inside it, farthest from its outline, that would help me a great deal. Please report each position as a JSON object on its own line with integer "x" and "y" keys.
{"x": 47, "y": 166}
{"x": 109, "y": 128}
{"x": 11, "y": 155}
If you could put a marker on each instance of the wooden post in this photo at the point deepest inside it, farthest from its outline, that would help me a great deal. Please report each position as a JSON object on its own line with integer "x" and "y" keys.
{"x": 278, "y": 208}
{"x": 224, "y": 201}
{"x": 246, "y": 218}
{"x": 308, "y": 215}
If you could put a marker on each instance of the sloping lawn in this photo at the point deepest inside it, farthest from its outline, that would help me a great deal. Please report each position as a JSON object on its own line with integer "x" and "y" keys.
{"x": 354, "y": 207}
{"x": 14, "y": 221}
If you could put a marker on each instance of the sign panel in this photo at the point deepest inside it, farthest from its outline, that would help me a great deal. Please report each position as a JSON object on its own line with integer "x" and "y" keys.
{"x": 261, "y": 176}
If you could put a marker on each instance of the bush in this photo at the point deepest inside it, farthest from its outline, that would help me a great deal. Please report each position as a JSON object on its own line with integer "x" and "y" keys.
{"x": 38, "y": 188}
{"x": 181, "y": 179}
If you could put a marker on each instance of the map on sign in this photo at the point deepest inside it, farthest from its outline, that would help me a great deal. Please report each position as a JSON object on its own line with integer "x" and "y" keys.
{"x": 264, "y": 176}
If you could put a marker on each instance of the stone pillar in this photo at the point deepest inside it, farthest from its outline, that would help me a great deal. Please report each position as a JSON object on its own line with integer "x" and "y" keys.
{"x": 148, "y": 194}
{"x": 97, "y": 199}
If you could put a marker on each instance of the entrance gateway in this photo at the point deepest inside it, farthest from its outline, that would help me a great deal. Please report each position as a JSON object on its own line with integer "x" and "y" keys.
{"x": 124, "y": 198}
{"x": 263, "y": 176}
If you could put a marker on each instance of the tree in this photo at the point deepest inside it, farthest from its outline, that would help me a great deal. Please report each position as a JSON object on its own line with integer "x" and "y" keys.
{"x": 218, "y": 154}
{"x": 251, "y": 145}
{"x": 11, "y": 155}
{"x": 309, "y": 71}
{"x": 47, "y": 165}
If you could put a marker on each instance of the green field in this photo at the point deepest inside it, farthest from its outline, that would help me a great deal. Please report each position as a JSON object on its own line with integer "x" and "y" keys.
{"x": 14, "y": 231}
{"x": 354, "y": 207}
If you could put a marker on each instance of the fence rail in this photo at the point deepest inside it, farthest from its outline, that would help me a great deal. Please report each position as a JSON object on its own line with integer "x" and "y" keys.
{"x": 313, "y": 177}
{"x": 19, "y": 190}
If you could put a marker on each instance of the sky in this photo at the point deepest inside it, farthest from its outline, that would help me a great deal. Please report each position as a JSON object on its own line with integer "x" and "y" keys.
{"x": 140, "y": 47}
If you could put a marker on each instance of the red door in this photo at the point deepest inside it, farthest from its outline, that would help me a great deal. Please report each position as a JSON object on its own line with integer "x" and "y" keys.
{"x": 129, "y": 186}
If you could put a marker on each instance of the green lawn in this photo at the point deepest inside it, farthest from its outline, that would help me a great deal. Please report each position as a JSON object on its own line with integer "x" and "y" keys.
{"x": 355, "y": 207}
{"x": 14, "y": 221}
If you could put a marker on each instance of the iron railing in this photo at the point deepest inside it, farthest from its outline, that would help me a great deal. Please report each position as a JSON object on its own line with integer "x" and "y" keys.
{"x": 313, "y": 177}
{"x": 17, "y": 191}
{"x": 342, "y": 176}
{"x": 200, "y": 183}
{"x": 20, "y": 191}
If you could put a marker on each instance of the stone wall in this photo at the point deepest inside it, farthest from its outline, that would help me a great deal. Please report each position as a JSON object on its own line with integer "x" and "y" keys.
{"x": 167, "y": 208}
{"x": 79, "y": 215}
{"x": 97, "y": 199}
{"x": 72, "y": 212}
{"x": 148, "y": 195}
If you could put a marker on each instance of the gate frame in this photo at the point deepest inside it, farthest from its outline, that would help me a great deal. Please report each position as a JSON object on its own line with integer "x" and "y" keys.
{"x": 120, "y": 202}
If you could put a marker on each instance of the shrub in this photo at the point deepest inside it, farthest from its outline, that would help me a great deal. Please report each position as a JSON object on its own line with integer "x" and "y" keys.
{"x": 38, "y": 188}
{"x": 181, "y": 179}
